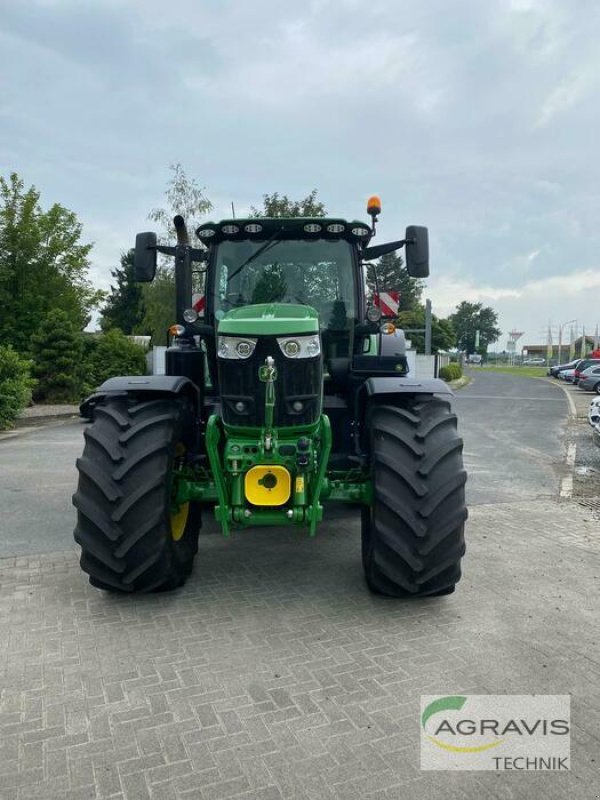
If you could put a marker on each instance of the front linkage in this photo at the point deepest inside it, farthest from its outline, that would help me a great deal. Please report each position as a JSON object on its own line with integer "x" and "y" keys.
{"x": 277, "y": 477}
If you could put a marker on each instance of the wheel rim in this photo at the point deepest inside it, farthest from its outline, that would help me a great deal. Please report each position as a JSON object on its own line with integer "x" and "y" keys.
{"x": 178, "y": 521}
{"x": 179, "y": 514}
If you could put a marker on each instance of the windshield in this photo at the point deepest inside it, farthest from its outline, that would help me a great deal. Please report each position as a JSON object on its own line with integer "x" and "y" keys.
{"x": 317, "y": 273}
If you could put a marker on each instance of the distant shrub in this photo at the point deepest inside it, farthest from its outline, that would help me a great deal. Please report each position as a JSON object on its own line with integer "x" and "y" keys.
{"x": 450, "y": 373}
{"x": 113, "y": 354}
{"x": 16, "y": 384}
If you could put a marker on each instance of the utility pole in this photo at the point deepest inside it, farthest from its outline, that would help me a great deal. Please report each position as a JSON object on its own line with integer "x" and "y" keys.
{"x": 427, "y": 327}
{"x": 560, "y": 332}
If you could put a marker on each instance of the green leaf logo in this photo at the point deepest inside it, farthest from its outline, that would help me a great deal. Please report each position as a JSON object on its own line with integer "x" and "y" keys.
{"x": 451, "y": 703}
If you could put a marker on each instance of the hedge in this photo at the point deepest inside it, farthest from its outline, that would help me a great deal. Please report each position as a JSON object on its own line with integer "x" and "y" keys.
{"x": 16, "y": 384}
{"x": 113, "y": 354}
{"x": 450, "y": 373}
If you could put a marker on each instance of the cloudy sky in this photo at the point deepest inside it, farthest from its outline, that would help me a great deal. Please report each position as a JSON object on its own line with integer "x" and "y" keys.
{"x": 477, "y": 119}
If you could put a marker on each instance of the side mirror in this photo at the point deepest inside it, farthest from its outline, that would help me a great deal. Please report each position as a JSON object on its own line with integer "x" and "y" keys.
{"x": 144, "y": 259}
{"x": 417, "y": 251}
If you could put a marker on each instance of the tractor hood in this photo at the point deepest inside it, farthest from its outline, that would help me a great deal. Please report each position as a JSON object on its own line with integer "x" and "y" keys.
{"x": 275, "y": 319}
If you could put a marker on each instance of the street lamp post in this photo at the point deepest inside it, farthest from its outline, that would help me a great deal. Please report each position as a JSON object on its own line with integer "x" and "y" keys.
{"x": 560, "y": 330}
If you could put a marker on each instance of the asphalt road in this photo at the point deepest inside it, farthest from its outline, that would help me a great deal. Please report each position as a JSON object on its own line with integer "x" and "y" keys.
{"x": 512, "y": 427}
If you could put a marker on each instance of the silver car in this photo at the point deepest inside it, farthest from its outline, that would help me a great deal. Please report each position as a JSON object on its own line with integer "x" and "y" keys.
{"x": 567, "y": 375}
{"x": 589, "y": 380}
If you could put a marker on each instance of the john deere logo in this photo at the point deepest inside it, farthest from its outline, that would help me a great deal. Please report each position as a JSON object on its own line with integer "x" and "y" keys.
{"x": 495, "y": 732}
{"x": 442, "y": 725}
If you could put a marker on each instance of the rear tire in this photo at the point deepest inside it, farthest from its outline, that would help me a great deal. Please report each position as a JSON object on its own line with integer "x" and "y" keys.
{"x": 130, "y": 541}
{"x": 413, "y": 532}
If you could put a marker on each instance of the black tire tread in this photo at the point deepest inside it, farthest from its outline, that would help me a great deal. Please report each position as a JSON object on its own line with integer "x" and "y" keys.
{"x": 122, "y": 499}
{"x": 413, "y": 535}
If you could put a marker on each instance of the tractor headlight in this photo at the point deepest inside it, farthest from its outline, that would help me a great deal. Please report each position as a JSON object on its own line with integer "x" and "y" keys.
{"x": 190, "y": 315}
{"x": 300, "y": 346}
{"x": 235, "y": 347}
{"x": 373, "y": 313}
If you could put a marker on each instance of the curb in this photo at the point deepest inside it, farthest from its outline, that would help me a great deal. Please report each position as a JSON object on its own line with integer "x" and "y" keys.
{"x": 460, "y": 383}
{"x": 30, "y": 424}
{"x": 43, "y": 419}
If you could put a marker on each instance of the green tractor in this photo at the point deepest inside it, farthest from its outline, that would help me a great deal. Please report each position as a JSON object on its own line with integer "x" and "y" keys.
{"x": 287, "y": 391}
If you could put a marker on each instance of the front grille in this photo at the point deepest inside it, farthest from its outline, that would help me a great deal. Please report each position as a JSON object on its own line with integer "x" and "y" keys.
{"x": 297, "y": 380}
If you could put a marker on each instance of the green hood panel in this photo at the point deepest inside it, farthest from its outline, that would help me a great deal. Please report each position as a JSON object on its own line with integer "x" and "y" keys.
{"x": 277, "y": 319}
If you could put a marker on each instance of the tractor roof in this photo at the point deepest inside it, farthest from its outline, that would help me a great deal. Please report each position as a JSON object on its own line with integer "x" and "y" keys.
{"x": 261, "y": 228}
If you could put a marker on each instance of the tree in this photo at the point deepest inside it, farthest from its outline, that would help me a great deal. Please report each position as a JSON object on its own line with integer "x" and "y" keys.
{"x": 443, "y": 336}
{"x": 392, "y": 275}
{"x": 57, "y": 359}
{"x": 124, "y": 307}
{"x": 159, "y": 305}
{"x": 183, "y": 196}
{"x": 470, "y": 318}
{"x": 276, "y": 205}
{"x": 43, "y": 264}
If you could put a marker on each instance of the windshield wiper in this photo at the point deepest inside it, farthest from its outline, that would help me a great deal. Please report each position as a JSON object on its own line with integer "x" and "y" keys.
{"x": 270, "y": 241}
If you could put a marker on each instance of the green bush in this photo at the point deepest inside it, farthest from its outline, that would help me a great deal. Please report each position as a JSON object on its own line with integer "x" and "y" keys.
{"x": 15, "y": 385}
{"x": 113, "y": 354}
{"x": 450, "y": 373}
{"x": 57, "y": 360}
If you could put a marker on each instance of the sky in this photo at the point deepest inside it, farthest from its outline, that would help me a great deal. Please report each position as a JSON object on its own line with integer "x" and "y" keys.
{"x": 477, "y": 119}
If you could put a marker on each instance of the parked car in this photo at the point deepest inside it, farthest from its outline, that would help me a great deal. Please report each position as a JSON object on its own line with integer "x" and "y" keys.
{"x": 554, "y": 371}
{"x": 567, "y": 375}
{"x": 584, "y": 364}
{"x": 594, "y": 411}
{"x": 534, "y": 362}
{"x": 589, "y": 380}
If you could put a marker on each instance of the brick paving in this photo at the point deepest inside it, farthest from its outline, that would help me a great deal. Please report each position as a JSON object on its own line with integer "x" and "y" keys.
{"x": 275, "y": 674}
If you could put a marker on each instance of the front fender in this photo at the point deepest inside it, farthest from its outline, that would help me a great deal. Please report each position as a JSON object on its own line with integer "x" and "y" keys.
{"x": 140, "y": 384}
{"x": 168, "y": 384}
{"x": 407, "y": 385}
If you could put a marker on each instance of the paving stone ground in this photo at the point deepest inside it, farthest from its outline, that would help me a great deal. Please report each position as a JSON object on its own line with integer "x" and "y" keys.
{"x": 275, "y": 674}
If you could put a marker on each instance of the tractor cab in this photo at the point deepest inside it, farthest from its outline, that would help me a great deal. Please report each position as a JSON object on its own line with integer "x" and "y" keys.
{"x": 315, "y": 262}
{"x": 309, "y": 262}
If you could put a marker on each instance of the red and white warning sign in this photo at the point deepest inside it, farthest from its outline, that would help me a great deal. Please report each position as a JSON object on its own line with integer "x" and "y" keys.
{"x": 388, "y": 302}
{"x": 199, "y": 303}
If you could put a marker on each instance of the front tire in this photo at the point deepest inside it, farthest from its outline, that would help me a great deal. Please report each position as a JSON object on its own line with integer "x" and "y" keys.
{"x": 413, "y": 532}
{"x": 131, "y": 538}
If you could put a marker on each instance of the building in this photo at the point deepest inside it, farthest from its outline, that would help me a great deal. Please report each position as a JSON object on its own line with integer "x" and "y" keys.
{"x": 582, "y": 348}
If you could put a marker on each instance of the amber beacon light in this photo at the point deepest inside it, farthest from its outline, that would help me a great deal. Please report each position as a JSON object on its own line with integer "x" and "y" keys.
{"x": 374, "y": 206}
{"x": 373, "y": 209}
